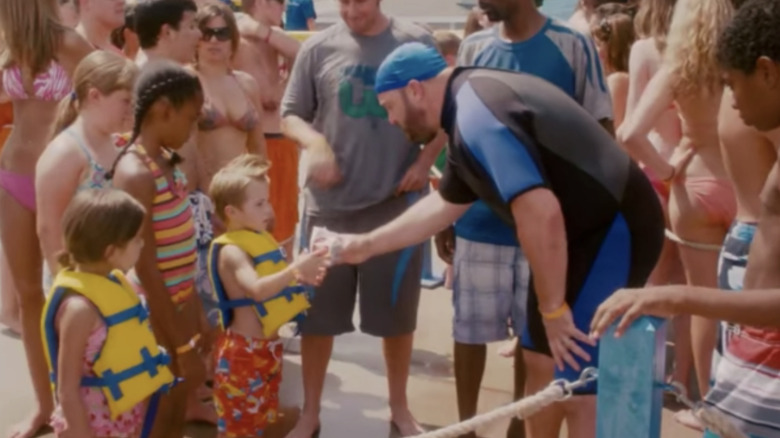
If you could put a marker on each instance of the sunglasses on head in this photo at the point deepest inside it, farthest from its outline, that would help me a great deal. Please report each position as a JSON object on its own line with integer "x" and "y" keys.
{"x": 220, "y": 33}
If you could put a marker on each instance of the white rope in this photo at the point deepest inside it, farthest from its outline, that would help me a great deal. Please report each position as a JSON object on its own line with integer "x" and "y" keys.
{"x": 521, "y": 409}
{"x": 718, "y": 423}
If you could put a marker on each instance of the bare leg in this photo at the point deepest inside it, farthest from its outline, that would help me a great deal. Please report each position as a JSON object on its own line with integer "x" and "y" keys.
{"x": 540, "y": 372}
{"x": 398, "y": 358}
{"x": 469, "y": 369}
{"x": 18, "y": 232}
{"x": 315, "y": 355}
{"x": 581, "y": 416}
{"x": 683, "y": 358}
{"x": 691, "y": 222}
{"x": 517, "y": 427}
{"x": 169, "y": 422}
{"x": 10, "y": 313}
{"x": 701, "y": 269}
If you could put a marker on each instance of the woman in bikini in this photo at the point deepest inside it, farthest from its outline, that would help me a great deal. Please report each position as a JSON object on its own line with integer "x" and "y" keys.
{"x": 652, "y": 26}
{"x": 84, "y": 144}
{"x": 229, "y": 123}
{"x": 35, "y": 77}
{"x": 702, "y": 204}
{"x": 9, "y": 304}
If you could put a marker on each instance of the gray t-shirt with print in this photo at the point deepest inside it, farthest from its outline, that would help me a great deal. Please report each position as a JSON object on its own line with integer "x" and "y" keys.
{"x": 332, "y": 87}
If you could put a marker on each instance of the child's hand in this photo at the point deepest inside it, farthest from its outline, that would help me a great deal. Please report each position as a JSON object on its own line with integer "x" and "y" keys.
{"x": 312, "y": 266}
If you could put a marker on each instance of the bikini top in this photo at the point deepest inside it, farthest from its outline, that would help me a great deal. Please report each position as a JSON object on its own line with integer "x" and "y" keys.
{"x": 52, "y": 85}
{"x": 212, "y": 118}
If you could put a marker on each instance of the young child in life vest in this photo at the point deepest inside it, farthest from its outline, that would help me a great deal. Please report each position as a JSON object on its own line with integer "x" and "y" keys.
{"x": 99, "y": 346}
{"x": 258, "y": 292}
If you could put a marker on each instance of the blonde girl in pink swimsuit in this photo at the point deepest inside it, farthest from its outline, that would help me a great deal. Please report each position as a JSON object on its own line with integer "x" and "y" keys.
{"x": 702, "y": 203}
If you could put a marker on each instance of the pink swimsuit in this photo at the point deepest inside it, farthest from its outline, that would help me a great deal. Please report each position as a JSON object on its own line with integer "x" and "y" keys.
{"x": 52, "y": 85}
{"x": 127, "y": 425}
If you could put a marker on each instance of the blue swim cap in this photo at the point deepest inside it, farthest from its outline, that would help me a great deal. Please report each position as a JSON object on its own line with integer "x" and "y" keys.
{"x": 408, "y": 62}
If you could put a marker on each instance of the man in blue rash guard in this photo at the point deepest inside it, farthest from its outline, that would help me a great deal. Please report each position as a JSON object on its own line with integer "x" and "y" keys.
{"x": 586, "y": 215}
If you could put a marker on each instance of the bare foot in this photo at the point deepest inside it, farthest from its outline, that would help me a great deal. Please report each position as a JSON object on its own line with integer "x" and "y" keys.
{"x": 687, "y": 419}
{"x": 201, "y": 412}
{"x": 508, "y": 349}
{"x": 404, "y": 421}
{"x": 14, "y": 324}
{"x": 308, "y": 426}
{"x": 30, "y": 426}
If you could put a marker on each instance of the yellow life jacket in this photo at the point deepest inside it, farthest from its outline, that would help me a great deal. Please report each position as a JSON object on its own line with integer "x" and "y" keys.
{"x": 290, "y": 304}
{"x": 130, "y": 367}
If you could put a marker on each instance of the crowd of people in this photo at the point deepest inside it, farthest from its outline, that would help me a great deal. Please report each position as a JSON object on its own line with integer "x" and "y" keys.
{"x": 150, "y": 202}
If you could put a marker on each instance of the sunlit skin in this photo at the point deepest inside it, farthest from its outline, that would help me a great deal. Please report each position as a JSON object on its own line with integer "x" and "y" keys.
{"x": 33, "y": 119}
{"x": 233, "y": 93}
{"x": 695, "y": 171}
{"x": 756, "y": 97}
{"x": 63, "y": 165}
{"x": 98, "y": 18}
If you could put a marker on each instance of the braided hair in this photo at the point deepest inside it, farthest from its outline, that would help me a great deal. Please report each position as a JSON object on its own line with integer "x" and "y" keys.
{"x": 159, "y": 79}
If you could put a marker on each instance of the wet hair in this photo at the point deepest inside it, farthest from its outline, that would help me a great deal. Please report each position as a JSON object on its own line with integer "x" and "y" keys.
{"x": 23, "y": 22}
{"x": 152, "y": 15}
{"x": 210, "y": 11}
{"x": 616, "y": 31}
{"x": 159, "y": 80}
{"x": 96, "y": 219}
{"x": 447, "y": 42}
{"x": 104, "y": 71}
{"x": 752, "y": 33}
{"x": 652, "y": 21}
{"x": 228, "y": 186}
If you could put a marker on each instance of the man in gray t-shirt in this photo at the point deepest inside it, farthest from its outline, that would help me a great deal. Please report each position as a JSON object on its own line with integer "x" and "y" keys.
{"x": 361, "y": 173}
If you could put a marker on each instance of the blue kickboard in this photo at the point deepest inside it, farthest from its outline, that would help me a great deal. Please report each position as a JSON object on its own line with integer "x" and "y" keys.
{"x": 630, "y": 398}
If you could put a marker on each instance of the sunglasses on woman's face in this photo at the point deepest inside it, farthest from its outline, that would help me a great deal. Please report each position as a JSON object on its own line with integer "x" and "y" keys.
{"x": 220, "y": 33}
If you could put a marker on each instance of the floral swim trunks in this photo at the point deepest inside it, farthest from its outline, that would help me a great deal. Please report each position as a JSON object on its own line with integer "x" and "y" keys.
{"x": 246, "y": 384}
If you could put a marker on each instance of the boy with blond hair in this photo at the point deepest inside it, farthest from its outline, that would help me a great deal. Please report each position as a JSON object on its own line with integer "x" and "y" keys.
{"x": 257, "y": 292}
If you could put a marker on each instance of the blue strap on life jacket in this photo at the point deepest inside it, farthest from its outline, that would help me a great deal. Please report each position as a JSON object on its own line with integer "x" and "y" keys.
{"x": 288, "y": 293}
{"x": 225, "y": 304}
{"x": 149, "y": 363}
{"x": 275, "y": 256}
{"x": 112, "y": 380}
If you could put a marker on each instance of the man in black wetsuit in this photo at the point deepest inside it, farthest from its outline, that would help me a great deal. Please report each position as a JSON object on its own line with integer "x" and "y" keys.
{"x": 586, "y": 215}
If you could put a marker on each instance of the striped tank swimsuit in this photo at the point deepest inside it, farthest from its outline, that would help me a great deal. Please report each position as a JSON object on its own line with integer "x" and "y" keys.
{"x": 174, "y": 231}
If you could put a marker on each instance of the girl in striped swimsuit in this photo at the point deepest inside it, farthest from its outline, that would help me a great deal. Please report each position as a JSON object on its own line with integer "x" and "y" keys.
{"x": 168, "y": 101}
